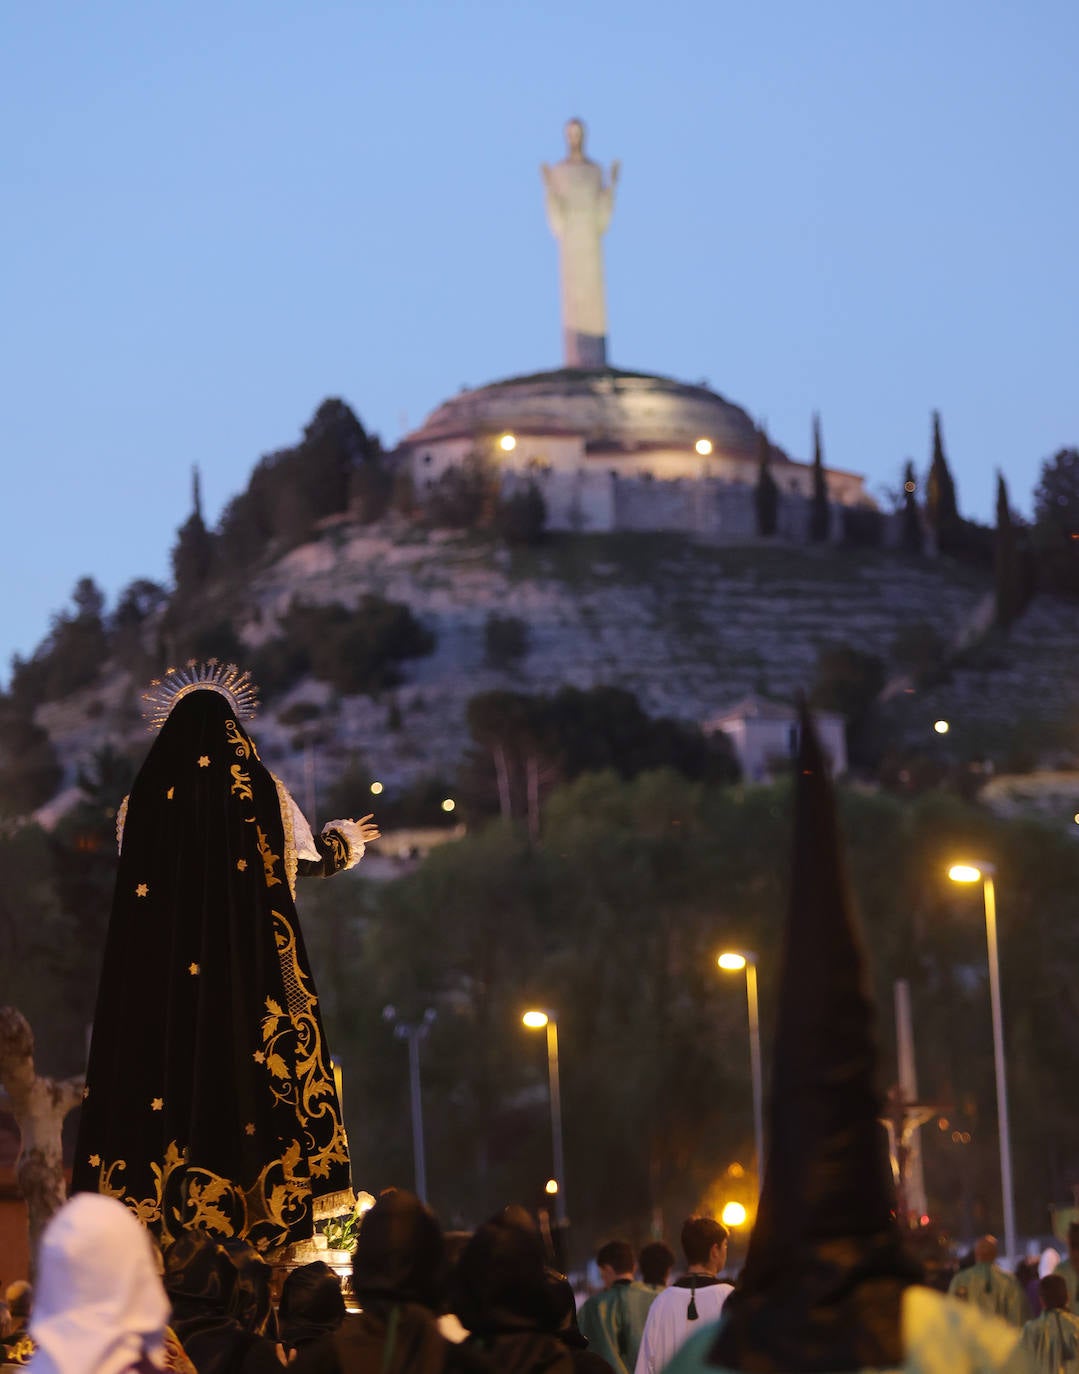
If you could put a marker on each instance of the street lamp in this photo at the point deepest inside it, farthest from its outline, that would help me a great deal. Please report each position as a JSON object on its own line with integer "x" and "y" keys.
{"x": 536, "y": 1020}
{"x": 984, "y": 873}
{"x": 414, "y": 1033}
{"x": 734, "y": 961}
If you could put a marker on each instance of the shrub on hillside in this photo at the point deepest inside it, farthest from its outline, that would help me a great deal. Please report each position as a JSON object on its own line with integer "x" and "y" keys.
{"x": 505, "y": 640}
{"x": 521, "y": 517}
{"x": 360, "y": 650}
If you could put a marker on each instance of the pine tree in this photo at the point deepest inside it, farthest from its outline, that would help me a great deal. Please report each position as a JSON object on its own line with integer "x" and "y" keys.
{"x": 913, "y": 538}
{"x": 941, "y": 508}
{"x": 1007, "y": 562}
{"x": 820, "y": 519}
{"x": 766, "y": 495}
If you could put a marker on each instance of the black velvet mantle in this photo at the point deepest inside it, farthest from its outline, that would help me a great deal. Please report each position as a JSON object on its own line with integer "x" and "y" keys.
{"x": 210, "y": 1097}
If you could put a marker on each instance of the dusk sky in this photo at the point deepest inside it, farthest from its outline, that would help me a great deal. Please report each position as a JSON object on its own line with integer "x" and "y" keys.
{"x": 217, "y": 214}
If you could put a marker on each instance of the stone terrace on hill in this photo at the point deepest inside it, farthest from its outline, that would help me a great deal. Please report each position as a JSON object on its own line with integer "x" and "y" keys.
{"x": 687, "y": 627}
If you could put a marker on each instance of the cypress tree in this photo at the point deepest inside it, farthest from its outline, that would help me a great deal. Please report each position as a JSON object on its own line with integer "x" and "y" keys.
{"x": 819, "y": 513}
{"x": 1007, "y": 563}
{"x": 941, "y": 507}
{"x": 766, "y": 494}
{"x": 913, "y": 540}
{"x": 192, "y": 555}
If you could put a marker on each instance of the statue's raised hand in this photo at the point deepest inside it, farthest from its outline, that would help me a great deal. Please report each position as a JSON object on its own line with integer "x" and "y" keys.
{"x": 616, "y": 171}
{"x": 368, "y": 829}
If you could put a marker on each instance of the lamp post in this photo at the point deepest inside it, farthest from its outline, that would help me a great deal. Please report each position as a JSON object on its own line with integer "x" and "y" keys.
{"x": 536, "y": 1020}
{"x": 414, "y": 1033}
{"x": 984, "y": 873}
{"x": 733, "y": 961}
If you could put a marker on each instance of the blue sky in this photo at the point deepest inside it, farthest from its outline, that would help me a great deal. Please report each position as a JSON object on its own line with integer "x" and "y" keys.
{"x": 217, "y": 214}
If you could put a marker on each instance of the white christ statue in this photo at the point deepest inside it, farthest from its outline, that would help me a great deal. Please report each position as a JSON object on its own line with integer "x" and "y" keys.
{"x": 579, "y": 205}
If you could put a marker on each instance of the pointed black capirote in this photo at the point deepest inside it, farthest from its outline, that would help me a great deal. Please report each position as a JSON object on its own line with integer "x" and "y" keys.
{"x": 823, "y": 1282}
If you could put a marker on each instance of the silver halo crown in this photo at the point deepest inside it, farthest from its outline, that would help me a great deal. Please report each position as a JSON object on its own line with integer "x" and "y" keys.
{"x": 235, "y": 686}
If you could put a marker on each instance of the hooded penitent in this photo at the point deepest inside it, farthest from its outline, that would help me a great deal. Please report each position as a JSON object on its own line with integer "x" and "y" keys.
{"x": 99, "y": 1307}
{"x": 826, "y": 1270}
{"x": 220, "y": 1295}
{"x": 312, "y": 1305}
{"x": 210, "y": 1098}
{"x": 398, "y": 1271}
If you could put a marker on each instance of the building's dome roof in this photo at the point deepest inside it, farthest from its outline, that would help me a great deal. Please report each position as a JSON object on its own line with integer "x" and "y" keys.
{"x": 608, "y": 408}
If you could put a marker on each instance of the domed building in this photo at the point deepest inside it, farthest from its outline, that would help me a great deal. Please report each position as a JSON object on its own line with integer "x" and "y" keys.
{"x": 612, "y": 449}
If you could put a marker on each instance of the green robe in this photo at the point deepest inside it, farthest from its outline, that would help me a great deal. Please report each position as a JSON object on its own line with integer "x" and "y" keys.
{"x": 940, "y": 1336}
{"x": 1052, "y": 1343}
{"x": 992, "y": 1291}
{"x": 613, "y": 1322}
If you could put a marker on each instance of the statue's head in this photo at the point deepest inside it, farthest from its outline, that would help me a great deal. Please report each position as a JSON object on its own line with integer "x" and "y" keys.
{"x": 575, "y": 137}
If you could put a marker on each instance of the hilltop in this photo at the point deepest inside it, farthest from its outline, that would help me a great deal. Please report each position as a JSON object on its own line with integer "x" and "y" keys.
{"x": 686, "y": 626}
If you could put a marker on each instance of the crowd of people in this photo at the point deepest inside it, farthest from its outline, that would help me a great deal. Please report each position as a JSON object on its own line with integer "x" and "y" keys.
{"x": 108, "y": 1302}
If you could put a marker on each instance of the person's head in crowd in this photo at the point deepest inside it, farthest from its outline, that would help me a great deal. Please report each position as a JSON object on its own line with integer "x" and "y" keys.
{"x": 220, "y": 1298}
{"x": 19, "y": 1297}
{"x": 656, "y": 1261}
{"x": 704, "y": 1243}
{"x": 985, "y": 1250}
{"x": 501, "y": 1282}
{"x": 615, "y": 1261}
{"x": 252, "y": 1301}
{"x": 99, "y": 1307}
{"x": 312, "y": 1305}
{"x": 400, "y": 1255}
{"x": 1053, "y": 1291}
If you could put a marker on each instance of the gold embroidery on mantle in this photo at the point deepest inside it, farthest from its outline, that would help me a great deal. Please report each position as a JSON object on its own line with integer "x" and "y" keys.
{"x": 313, "y": 1092}
{"x": 241, "y": 783}
{"x": 244, "y": 747}
{"x": 184, "y": 1196}
{"x": 269, "y": 858}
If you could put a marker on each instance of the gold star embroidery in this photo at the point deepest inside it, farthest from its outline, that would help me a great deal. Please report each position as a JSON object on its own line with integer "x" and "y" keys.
{"x": 95, "y": 1160}
{"x": 156, "y": 1104}
{"x": 259, "y": 1057}
{"x": 241, "y": 865}
{"x": 168, "y": 794}
{"x": 193, "y": 969}
{"x": 249, "y": 1129}
{"x": 204, "y": 760}
{"x": 142, "y": 890}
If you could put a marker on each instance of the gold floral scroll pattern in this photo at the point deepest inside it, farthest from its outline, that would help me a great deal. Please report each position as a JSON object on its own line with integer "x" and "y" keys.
{"x": 186, "y": 1196}
{"x": 269, "y": 858}
{"x": 317, "y": 1108}
{"x": 244, "y": 747}
{"x": 241, "y": 783}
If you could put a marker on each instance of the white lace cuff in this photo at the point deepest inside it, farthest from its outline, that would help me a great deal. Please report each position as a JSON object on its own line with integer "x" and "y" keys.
{"x": 351, "y": 834}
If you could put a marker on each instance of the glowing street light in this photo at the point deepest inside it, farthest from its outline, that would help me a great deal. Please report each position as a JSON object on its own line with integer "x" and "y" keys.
{"x": 508, "y": 443}
{"x": 985, "y": 873}
{"x": 733, "y": 1214}
{"x": 449, "y": 804}
{"x": 376, "y": 789}
{"x": 536, "y": 1020}
{"x": 703, "y": 447}
{"x": 941, "y": 727}
{"x": 734, "y": 961}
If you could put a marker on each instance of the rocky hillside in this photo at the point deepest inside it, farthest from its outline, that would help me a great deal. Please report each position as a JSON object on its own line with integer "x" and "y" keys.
{"x": 686, "y": 626}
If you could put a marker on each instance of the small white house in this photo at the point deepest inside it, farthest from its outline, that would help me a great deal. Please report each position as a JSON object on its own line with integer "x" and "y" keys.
{"x": 765, "y": 736}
